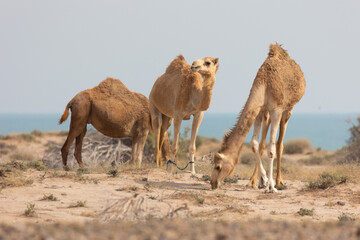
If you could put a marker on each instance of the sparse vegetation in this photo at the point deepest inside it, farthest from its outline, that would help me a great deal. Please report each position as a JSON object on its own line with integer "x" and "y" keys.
{"x": 306, "y": 212}
{"x": 297, "y": 146}
{"x": 281, "y": 187}
{"x": 26, "y": 137}
{"x": 78, "y": 204}
{"x": 30, "y": 210}
{"x": 82, "y": 171}
{"x": 352, "y": 151}
{"x": 22, "y": 156}
{"x": 206, "y": 178}
{"x": 113, "y": 173}
{"x": 199, "y": 200}
{"x": 50, "y": 197}
{"x": 326, "y": 180}
{"x": 231, "y": 179}
{"x": 37, "y": 133}
{"x": 344, "y": 218}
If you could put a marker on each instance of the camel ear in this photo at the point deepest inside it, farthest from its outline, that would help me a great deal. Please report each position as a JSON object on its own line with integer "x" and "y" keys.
{"x": 219, "y": 155}
{"x": 216, "y": 60}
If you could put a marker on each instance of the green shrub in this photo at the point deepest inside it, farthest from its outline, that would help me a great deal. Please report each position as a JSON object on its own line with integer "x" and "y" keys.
{"x": 206, "y": 178}
{"x": 30, "y": 210}
{"x": 113, "y": 173}
{"x": 326, "y": 180}
{"x": 297, "y": 146}
{"x": 50, "y": 197}
{"x": 343, "y": 218}
{"x": 231, "y": 180}
{"x": 306, "y": 212}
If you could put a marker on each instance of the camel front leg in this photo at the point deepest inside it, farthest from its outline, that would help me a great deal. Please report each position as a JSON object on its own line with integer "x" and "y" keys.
{"x": 156, "y": 122}
{"x": 194, "y": 130}
{"x": 280, "y": 146}
{"x": 255, "y": 149}
{"x": 177, "y": 125}
{"x": 275, "y": 121}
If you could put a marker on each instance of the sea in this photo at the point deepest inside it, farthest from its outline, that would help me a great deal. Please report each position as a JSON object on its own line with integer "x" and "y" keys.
{"x": 325, "y": 130}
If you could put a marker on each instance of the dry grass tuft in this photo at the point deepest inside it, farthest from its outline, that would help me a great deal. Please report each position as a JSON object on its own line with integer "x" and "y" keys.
{"x": 78, "y": 204}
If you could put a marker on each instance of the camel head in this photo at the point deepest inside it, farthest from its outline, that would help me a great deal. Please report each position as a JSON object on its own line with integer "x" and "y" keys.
{"x": 206, "y": 66}
{"x": 223, "y": 168}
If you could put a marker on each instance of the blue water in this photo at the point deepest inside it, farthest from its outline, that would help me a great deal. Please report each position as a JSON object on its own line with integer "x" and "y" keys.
{"x": 327, "y": 131}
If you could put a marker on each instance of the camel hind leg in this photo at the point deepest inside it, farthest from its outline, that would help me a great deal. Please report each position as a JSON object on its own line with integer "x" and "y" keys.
{"x": 280, "y": 146}
{"x": 80, "y": 109}
{"x": 78, "y": 147}
{"x": 275, "y": 118}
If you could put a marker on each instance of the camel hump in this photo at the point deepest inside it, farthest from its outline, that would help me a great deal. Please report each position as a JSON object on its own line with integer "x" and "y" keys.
{"x": 176, "y": 64}
{"x": 277, "y": 51}
{"x": 110, "y": 87}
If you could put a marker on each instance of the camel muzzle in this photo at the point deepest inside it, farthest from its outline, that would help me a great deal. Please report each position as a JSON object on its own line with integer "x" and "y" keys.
{"x": 195, "y": 68}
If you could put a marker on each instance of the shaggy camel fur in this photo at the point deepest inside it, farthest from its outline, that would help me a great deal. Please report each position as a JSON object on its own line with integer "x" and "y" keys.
{"x": 113, "y": 110}
{"x": 178, "y": 94}
{"x": 278, "y": 86}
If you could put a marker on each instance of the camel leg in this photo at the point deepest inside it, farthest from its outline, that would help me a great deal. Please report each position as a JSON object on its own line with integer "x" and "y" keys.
{"x": 79, "y": 115}
{"x": 194, "y": 129}
{"x": 78, "y": 147}
{"x": 177, "y": 125}
{"x": 166, "y": 123}
{"x": 280, "y": 146}
{"x": 275, "y": 117}
{"x": 255, "y": 149}
{"x": 265, "y": 128}
{"x": 138, "y": 143}
{"x": 156, "y": 122}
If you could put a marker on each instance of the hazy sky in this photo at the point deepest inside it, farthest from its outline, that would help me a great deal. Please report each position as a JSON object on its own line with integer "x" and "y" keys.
{"x": 51, "y": 50}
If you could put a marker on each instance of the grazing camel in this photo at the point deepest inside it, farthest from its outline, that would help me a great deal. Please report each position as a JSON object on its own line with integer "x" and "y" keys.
{"x": 178, "y": 94}
{"x": 113, "y": 110}
{"x": 278, "y": 86}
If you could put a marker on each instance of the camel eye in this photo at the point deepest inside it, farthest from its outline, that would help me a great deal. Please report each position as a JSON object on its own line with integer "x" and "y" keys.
{"x": 207, "y": 63}
{"x": 218, "y": 168}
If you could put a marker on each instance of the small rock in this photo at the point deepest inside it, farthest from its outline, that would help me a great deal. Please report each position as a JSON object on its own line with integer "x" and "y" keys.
{"x": 341, "y": 203}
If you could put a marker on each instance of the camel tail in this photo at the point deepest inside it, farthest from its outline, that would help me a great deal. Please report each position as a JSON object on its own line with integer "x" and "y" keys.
{"x": 66, "y": 113}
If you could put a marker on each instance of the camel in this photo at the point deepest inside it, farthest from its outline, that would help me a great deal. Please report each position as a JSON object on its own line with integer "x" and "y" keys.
{"x": 176, "y": 95}
{"x": 278, "y": 86}
{"x": 113, "y": 110}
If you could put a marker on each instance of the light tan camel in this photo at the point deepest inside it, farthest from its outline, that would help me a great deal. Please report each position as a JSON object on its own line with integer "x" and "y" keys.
{"x": 178, "y": 94}
{"x": 278, "y": 86}
{"x": 113, "y": 110}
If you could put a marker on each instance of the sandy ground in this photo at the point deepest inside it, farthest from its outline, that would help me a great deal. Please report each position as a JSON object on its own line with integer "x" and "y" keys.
{"x": 182, "y": 202}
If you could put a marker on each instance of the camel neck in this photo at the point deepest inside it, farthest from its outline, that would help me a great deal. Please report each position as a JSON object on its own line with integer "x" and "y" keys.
{"x": 234, "y": 140}
{"x": 206, "y": 92}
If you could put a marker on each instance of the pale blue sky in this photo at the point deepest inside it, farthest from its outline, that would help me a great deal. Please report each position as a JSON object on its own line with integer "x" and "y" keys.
{"x": 51, "y": 50}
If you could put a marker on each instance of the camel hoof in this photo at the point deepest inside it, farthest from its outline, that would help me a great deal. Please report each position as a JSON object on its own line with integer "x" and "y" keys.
{"x": 271, "y": 190}
{"x": 66, "y": 168}
{"x": 263, "y": 182}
